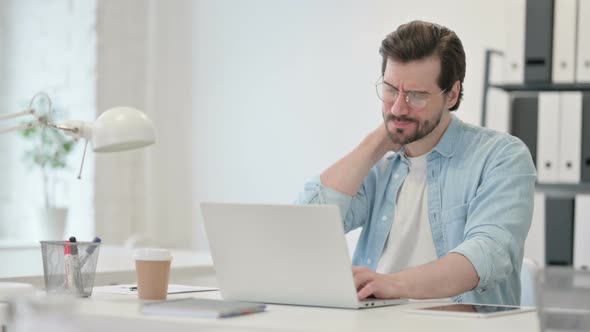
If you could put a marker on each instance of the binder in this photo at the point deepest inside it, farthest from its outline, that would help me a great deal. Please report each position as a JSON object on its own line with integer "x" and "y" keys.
{"x": 538, "y": 41}
{"x": 523, "y": 121}
{"x": 548, "y": 137}
{"x": 583, "y": 49}
{"x": 585, "y": 153}
{"x": 514, "y": 55}
{"x": 582, "y": 232}
{"x": 534, "y": 246}
{"x": 559, "y": 230}
{"x": 499, "y": 106}
{"x": 570, "y": 140}
{"x": 564, "y": 41}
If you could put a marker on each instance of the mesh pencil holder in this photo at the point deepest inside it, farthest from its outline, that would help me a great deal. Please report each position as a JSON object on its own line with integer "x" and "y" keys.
{"x": 69, "y": 267}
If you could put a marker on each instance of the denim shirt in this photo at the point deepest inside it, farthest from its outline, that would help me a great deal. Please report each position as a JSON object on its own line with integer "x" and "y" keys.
{"x": 480, "y": 203}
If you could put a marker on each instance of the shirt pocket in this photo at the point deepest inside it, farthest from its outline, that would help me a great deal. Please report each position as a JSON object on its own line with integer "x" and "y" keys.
{"x": 454, "y": 222}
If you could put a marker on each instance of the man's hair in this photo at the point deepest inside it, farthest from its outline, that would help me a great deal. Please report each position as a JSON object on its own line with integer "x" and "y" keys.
{"x": 417, "y": 40}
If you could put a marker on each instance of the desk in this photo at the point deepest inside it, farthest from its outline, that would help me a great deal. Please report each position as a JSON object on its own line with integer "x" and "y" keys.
{"x": 115, "y": 266}
{"x": 109, "y": 312}
{"x": 121, "y": 313}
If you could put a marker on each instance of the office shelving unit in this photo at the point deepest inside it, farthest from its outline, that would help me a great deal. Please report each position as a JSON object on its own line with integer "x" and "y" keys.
{"x": 532, "y": 87}
{"x": 566, "y": 211}
{"x": 547, "y": 50}
{"x": 551, "y": 188}
{"x": 542, "y": 87}
{"x": 556, "y": 248}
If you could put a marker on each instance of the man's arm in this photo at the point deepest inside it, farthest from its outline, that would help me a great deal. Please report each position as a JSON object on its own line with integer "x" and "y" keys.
{"x": 347, "y": 174}
{"x": 498, "y": 220}
{"x": 451, "y": 275}
{"x": 347, "y": 183}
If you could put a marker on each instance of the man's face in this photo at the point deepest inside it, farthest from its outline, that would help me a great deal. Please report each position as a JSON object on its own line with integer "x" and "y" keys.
{"x": 415, "y": 81}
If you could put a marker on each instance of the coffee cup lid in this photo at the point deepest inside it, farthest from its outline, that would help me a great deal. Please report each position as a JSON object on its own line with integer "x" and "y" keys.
{"x": 152, "y": 254}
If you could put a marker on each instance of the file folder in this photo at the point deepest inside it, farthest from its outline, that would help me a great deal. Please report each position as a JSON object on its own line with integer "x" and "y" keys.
{"x": 585, "y": 153}
{"x": 570, "y": 140}
{"x": 582, "y": 232}
{"x": 564, "y": 41}
{"x": 583, "y": 49}
{"x": 534, "y": 246}
{"x": 499, "y": 105}
{"x": 538, "y": 41}
{"x": 514, "y": 55}
{"x": 559, "y": 230}
{"x": 548, "y": 137}
{"x": 524, "y": 118}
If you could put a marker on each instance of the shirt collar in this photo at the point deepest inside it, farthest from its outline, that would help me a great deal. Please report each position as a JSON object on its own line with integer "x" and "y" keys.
{"x": 448, "y": 141}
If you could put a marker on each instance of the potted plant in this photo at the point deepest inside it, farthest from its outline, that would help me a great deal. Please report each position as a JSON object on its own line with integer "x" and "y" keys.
{"x": 48, "y": 151}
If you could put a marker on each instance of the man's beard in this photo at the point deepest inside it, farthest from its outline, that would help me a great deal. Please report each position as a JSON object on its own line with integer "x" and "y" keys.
{"x": 422, "y": 130}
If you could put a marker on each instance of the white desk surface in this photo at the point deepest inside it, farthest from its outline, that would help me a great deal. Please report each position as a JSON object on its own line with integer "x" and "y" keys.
{"x": 123, "y": 313}
{"x": 108, "y": 312}
{"x": 115, "y": 265}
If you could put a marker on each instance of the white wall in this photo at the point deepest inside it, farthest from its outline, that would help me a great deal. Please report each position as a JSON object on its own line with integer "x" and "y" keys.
{"x": 145, "y": 61}
{"x": 251, "y": 98}
{"x": 171, "y": 104}
{"x": 283, "y": 88}
{"x": 121, "y": 197}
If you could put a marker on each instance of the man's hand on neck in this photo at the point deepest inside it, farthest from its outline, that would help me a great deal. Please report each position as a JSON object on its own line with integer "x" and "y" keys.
{"x": 386, "y": 144}
{"x": 347, "y": 174}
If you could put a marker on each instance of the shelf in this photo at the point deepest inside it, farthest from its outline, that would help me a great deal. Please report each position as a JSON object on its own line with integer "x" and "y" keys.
{"x": 563, "y": 189}
{"x": 542, "y": 87}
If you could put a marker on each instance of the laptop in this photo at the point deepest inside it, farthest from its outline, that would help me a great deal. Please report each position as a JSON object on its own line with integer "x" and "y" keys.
{"x": 283, "y": 254}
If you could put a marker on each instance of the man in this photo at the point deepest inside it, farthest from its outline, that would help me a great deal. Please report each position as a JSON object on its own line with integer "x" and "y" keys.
{"x": 448, "y": 213}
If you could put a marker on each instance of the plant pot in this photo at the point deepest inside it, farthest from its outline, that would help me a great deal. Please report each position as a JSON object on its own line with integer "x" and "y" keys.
{"x": 52, "y": 223}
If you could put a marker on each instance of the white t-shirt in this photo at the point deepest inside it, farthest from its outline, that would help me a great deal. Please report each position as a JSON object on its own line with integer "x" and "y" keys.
{"x": 410, "y": 238}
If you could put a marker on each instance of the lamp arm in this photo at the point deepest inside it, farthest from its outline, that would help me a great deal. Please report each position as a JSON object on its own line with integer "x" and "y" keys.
{"x": 22, "y": 126}
{"x": 46, "y": 120}
{"x": 75, "y": 129}
{"x": 17, "y": 114}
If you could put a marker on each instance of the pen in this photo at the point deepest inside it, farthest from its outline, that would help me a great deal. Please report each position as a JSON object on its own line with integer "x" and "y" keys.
{"x": 75, "y": 268}
{"x": 74, "y": 250}
{"x": 80, "y": 261}
{"x": 68, "y": 265}
{"x": 88, "y": 252}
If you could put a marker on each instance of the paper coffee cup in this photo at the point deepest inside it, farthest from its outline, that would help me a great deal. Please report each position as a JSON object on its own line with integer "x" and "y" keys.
{"x": 152, "y": 267}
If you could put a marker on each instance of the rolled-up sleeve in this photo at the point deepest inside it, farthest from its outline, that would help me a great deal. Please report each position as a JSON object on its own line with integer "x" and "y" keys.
{"x": 500, "y": 214}
{"x": 353, "y": 209}
{"x": 316, "y": 193}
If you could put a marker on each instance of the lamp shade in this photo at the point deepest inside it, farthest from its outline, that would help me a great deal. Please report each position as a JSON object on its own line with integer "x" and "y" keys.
{"x": 122, "y": 128}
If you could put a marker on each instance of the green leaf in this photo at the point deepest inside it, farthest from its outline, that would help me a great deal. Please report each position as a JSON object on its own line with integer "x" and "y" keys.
{"x": 29, "y": 132}
{"x": 68, "y": 146}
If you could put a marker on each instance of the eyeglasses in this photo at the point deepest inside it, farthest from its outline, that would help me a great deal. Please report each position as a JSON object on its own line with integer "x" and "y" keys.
{"x": 416, "y": 100}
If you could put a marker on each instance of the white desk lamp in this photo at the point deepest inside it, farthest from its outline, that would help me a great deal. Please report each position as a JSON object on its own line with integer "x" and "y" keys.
{"x": 117, "y": 129}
